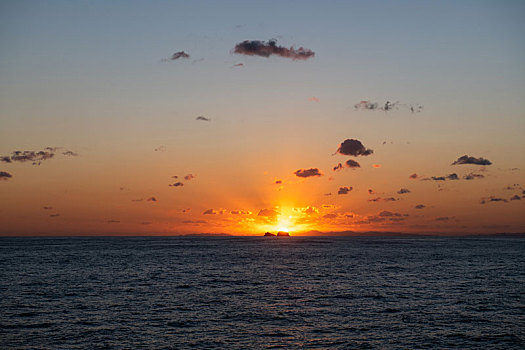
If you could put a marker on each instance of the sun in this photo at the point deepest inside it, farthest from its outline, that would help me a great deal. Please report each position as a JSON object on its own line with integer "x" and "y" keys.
{"x": 283, "y": 229}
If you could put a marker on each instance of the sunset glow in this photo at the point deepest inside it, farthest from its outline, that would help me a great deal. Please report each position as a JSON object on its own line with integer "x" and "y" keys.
{"x": 221, "y": 128}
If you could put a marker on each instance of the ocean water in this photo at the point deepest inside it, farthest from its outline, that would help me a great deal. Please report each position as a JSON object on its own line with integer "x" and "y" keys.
{"x": 262, "y": 292}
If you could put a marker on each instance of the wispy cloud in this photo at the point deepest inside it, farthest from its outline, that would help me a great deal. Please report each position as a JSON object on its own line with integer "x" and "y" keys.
{"x": 35, "y": 157}
{"x": 269, "y": 48}
{"x": 203, "y": 118}
{"x": 491, "y": 199}
{"x": 177, "y": 55}
{"x": 189, "y": 177}
{"x": 420, "y": 206}
{"x": 387, "y": 106}
{"x": 176, "y": 184}
{"x": 313, "y": 99}
{"x": 403, "y": 191}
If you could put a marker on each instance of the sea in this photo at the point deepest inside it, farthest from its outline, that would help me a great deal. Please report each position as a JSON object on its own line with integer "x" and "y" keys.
{"x": 262, "y": 292}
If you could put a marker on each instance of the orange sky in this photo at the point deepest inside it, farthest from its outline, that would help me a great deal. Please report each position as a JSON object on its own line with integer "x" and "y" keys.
{"x": 127, "y": 104}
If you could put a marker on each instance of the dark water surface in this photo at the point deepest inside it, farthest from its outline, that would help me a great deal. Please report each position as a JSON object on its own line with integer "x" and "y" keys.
{"x": 237, "y": 292}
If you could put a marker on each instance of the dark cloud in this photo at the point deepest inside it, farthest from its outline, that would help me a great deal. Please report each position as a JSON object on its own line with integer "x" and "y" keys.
{"x": 151, "y": 199}
{"x": 266, "y": 49}
{"x": 54, "y": 215}
{"x": 4, "y": 175}
{"x": 328, "y": 194}
{"x": 189, "y": 177}
{"x": 176, "y": 56}
{"x": 47, "y": 208}
{"x": 35, "y": 157}
{"x": 137, "y": 200}
{"x": 473, "y": 176}
{"x": 352, "y": 147}
{"x": 308, "y": 172}
{"x": 485, "y": 200}
{"x": 175, "y": 177}
{"x": 278, "y": 182}
{"x": 338, "y": 167}
{"x": 452, "y": 176}
{"x": 344, "y": 190}
{"x": 371, "y": 191}
{"x": 176, "y": 184}
{"x": 403, "y": 191}
{"x": 209, "y": 212}
{"x": 379, "y": 199}
{"x": 513, "y": 187}
{"x": 414, "y": 176}
{"x": 420, "y": 206}
{"x": 515, "y": 198}
{"x": 203, "y": 118}
{"x": 352, "y": 164}
{"x": 471, "y": 160}
{"x": 161, "y": 148}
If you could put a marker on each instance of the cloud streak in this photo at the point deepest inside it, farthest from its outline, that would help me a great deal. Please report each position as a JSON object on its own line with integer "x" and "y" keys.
{"x": 269, "y": 48}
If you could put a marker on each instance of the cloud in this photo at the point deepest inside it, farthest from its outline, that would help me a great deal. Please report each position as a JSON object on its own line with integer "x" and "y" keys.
{"x": 161, "y": 148}
{"x": 513, "y": 187}
{"x": 387, "y": 106}
{"x": 471, "y": 160}
{"x": 176, "y": 184}
{"x": 330, "y": 216}
{"x": 485, "y": 200}
{"x": 238, "y": 65}
{"x": 47, "y": 208}
{"x": 452, "y": 176}
{"x": 203, "y": 118}
{"x": 266, "y": 49}
{"x": 386, "y": 213}
{"x": 344, "y": 190}
{"x": 379, "y": 199}
{"x": 54, "y": 215}
{"x": 70, "y": 153}
{"x": 442, "y": 218}
{"x": 473, "y": 176}
{"x": 278, "y": 182}
{"x": 420, "y": 206}
{"x": 352, "y": 164}
{"x": 403, "y": 191}
{"x": 137, "y": 200}
{"x": 352, "y": 147}
{"x": 36, "y": 157}
{"x": 240, "y": 212}
{"x": 209, "y": 212}
{"x": 175, "y": 177}
{"x": 308, "y": 172}
{"x": 515, "y": 198}
{"x": 414, "y": 176}
{"x": 194, "y": 222}
{"x": 4, "y": 175}
{"x": 371, "y": 191}
{"x": 377, "y": 166}
{"x": 313, "y": 99}
{"x": 151, "y": 199}
{"x": 328, "y": 194}
{"x": 189, "y": 177}
{"x": 338, "y": 167}
{"x": 268, "y": 213}
{"x": 176, "y": 56}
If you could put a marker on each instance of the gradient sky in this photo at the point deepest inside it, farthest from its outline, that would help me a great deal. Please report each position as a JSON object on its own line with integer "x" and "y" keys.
{"x": 94, "y": 77}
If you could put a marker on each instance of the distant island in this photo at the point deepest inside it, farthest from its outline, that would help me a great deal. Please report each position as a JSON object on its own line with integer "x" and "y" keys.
{"x": 280, "y": 233}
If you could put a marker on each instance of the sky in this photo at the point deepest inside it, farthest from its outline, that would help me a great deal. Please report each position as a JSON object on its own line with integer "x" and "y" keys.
{"x": 241, "y": 117}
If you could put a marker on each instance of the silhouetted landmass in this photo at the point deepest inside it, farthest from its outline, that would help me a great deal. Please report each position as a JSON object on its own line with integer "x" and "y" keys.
{"x": 283, "y": 234}
{"x": 269, "y": 234}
